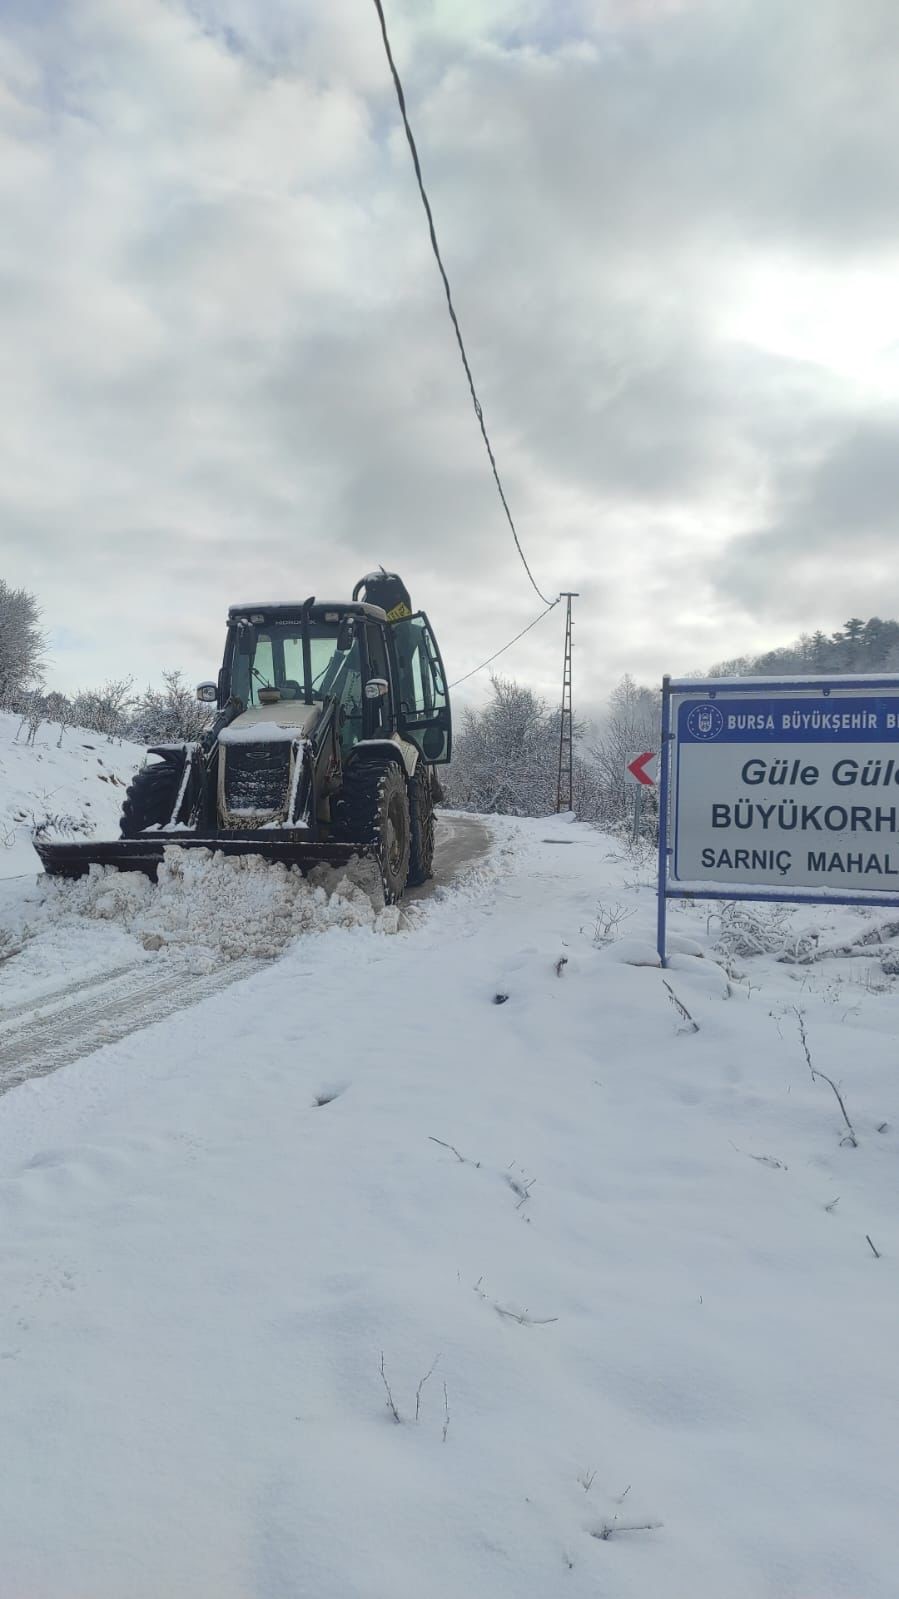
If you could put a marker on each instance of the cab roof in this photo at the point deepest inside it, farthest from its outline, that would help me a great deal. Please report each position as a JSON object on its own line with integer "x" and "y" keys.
{"x": 292, "y": 610}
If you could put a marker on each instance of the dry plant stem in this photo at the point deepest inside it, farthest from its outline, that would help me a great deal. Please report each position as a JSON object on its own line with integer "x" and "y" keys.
{"x": 681, "y": 1009}
{"x": 763, "y": 1160}
{"x": 424, "y": 1379}
{"x": 391, "y": 1405}
{"x": 611, "y": 1528}
{"x": 523, "y": 1318}
{"x": 521, "y": 1189}
{"x": 876, "y": 1252}
{"x": 851, "y": 1139}
{"x": 463, "y": 1158}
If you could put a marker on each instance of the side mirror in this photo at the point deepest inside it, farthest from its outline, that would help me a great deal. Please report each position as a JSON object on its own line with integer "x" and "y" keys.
{"x": 346, "y": 634}
{"x": 207, "y": 693}
{"x": 376, "y": 688}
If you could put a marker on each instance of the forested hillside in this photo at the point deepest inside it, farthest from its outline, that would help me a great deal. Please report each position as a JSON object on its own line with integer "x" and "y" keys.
{"x": 858, "y": 646}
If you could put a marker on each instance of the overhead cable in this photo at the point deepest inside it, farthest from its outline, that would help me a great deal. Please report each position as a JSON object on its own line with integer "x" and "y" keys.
{"x": 449, "y": 298}
{"x": 491, "y": 658}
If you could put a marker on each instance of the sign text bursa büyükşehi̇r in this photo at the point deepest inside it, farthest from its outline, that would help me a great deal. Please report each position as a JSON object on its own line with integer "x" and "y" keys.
{"x": 788, "y": 791}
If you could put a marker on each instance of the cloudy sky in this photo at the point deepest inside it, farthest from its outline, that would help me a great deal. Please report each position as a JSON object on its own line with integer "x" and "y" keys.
{"x": 671, "y": 228}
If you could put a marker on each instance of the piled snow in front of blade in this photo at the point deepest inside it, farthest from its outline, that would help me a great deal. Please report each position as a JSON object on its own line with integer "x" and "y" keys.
{"x": 231, "y": 905}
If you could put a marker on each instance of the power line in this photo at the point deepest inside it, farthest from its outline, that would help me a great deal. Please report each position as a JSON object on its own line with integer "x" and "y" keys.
{"x": 550, "y": 607}
{"x": 446, "y": 288}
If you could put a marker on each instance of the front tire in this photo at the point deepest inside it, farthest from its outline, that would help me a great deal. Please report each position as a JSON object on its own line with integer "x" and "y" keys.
{"x": 373, "y": 812}
{"x": 150, "y": 799}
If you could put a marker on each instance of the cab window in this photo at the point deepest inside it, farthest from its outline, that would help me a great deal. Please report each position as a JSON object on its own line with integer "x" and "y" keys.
{"x": 263, "y": 673}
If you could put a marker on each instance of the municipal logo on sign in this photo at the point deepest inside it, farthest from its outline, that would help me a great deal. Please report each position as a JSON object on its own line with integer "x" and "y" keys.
{"x": 705, "y": 722}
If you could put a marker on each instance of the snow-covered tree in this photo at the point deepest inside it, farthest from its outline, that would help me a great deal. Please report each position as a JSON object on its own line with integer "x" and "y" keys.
{"x": 22, "y": 644}
{"x": 506, "y": 756}
{"x": 28, "y": 705}
{"x": 632, "y": 724}
{"x": 58, "y": 708}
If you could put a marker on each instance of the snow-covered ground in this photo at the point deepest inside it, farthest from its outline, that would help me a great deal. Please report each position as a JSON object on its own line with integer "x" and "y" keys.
{"x": 74, "y": 777}
{"x": 614, "y": 1271}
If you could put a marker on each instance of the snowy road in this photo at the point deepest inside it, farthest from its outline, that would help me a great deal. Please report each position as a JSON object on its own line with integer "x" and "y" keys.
{"x": 461, "y": 841}
{"x": 79, "y": 1014}
{"x": 83, "y": 1016}
{"x": 631, "y": 1289}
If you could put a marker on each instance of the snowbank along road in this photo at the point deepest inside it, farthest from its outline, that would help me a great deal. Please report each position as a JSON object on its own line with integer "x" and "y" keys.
{"x": 483, "y": 1258}
{"x": 207, "y": 924}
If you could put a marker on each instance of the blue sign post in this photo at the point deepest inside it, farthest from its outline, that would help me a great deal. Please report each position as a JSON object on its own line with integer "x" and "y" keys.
{"x": 784, "y": 791}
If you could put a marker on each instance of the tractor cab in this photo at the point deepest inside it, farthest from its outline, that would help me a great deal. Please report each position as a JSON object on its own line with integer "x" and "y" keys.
{"x": 284, "y": 663}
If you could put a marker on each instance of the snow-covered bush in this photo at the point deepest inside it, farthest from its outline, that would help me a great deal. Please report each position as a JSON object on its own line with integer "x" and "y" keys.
{"x": 158, "y": 716}
{"x": 106, "y": 709}
{"x": 169, "y": 715}
{"x": 745, "y": 929}
{"x": 608, "y": 920}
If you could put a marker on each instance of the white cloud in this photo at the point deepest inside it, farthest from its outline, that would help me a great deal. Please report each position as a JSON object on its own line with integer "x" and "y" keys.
{"x": 228, "y": 366}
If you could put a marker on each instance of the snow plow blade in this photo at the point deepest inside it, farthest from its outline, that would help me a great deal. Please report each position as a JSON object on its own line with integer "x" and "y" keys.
{"x": 143, "y": 854}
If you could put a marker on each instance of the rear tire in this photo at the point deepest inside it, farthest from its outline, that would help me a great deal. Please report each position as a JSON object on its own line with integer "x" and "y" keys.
{"x": 373, "y": 812}
{"x": 421, "y": 810}
{"x": 150, "y": 799}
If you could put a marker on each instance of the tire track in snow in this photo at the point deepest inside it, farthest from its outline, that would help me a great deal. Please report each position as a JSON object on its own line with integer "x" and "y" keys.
{"x": 55, "y": 996}
{"x": 108, "y": 1008}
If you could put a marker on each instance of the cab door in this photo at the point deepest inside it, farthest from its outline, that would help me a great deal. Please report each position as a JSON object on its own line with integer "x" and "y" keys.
{"x": 423, "y": 708}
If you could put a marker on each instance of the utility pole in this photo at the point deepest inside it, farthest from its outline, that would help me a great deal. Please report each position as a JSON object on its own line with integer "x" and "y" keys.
{"x": 565, "y": 789}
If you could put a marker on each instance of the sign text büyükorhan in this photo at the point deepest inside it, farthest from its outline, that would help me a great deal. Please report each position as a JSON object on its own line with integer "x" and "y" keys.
{"x": 788, "y": 790}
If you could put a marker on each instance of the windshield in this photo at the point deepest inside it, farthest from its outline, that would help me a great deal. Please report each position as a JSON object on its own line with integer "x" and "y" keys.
{"x": 269, "y": 655}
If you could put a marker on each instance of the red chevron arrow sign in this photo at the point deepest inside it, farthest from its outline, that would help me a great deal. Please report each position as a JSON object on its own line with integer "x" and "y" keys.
{"x": 644, "y": 768}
